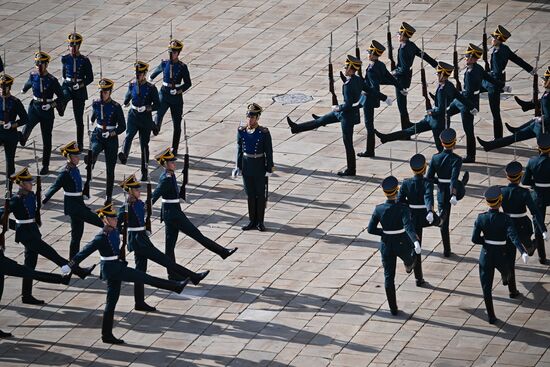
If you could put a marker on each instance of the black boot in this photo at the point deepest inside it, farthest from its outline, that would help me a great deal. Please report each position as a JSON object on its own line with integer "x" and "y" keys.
{"x": 82, "y": 273}
{"x": 107, "y": 330}
{"x": 369, "y": 152}
{"x": 470, "y": 149}
{"x": 409, "y": 268}
{"x": 418, "y": 271}
{"x": 392, "y": 300}
{"x": 197, "y": 277}
{"x": 139, "y": 299}
{"x": 525, "y": 105}
{"x": 4, "y": 335}
{"x": 541, "y": 250}
{"x": 304, "y": 126}
{"x": 396, "y": 135}
{"x": 490, "y": 309}
{"x": 26, "y": 293}
{"x": 514, "y": 129}
{"x": 512, "y": 289}
{"x": 176, "y": 141}
{"x": 445, "y": 238}
{"x": 465, "y": 178}
{"x": 229, "y": 252}
{"x": 122, "y": 157}
{"x": 260, "y": 207}
{"x": 315, "y": 117}
{"x": 405, "y": 122}
{"x": 251, "y": 214}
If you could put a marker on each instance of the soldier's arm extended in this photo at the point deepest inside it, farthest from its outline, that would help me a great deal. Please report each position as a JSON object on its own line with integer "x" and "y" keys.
{"x": 159, "y": 190}
{"x": 57, "y": 89}
{"x": 388, "y": 78}
{"x": 418, "y": 52}
{"x": 477, "y": 238}
{"x": 128, "y": 96}
{"x": 120, "y": 217}
{"x": 88, "y": 72}
{"x": 27, "y": 85}
{"x": 512, "y": 234}
{"x": 429, "y": 195}
{"x": 373, "y": 224}
{"x": 63, "y": 67}
{"x": 535, "y": 213}
{"x": 527, "y": 179}
{"x": 120, "y": 120}
{"x": 456, "y": 165}
{"x": 488, "y": 77}
{"x": 94, "y": 114}
{"x": 431, "y": 170}
{"x": 89, "y": 249}
{"x": 407, "y": 223}
{"x": 239, "y": 161}
{"x": 21, "y": 112}
{"x": 57, "y": 185}
{"x": 268, "y": 149}
{"x": 402, "y": 195}
{"x": 348, "y": 97}
{"x": 155, "y": 101}
{"x": 186, "y": 79}
{"x": 465, "y": 101}
{"x": 519, "y": 62}
{"x": 156, "y": 71}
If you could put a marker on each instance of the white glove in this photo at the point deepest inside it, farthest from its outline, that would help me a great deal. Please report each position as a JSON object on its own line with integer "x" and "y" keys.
{"x": 417, "y": 248}
{"x": 268, "y": 174}
{"x": 149, "y": 79}
{"x": 507, "y": 89}
{"x": 236, "y": 172}
{"x": 46, "y": 107}
{"x": 524, "y": 257}
{"x": 453, "y": 200}
{"x": 127, "y": 105}
{"x": 538, "y": 119}
{"x": 173, "y": 92}
{"x": 141, "y": 109}
{"x": 430, "y": 217}
{"x": 545, "y": 235}
{"x": 7, "y": 125}
{"x": 76, "y": 86}
{"x": 66, "y": 269}
{"x": 148, "y": 233}
{"x": 106, "y": 134}
{"x": 404, "y": 91}
{"x": 389, "y": 101}
{"x": 363, "y": 93}
{"x": 474, "y": 111}
{"x": 335, "y": 108}
{"x": 533, "y": 72}
{"x": 22, "y": 91}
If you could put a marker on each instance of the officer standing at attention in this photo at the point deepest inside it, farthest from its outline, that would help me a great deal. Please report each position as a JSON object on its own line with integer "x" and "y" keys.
{"x": 175, "y": 82}
{"x": 11, "y": 108}
{"x": 418, "y": 193}
{"x": 77, "y": 75}
{"x": 492, "y": 230}
{"x": 446, "y": 165}
{"x": 144, "y": 249}
{"x": 44, "y": 85}
{"x": 255, "y": 163}
{"x": 110, "y": 123}
{"x": 397, "y": 236}
{"x": 143, "y": 99}
{"x": 537, "y": 175}
{"x": 406, "y": 53}
{"x": 515, "y": 201}
{"x": 115, "y": 270}
{"x": 376, "y": 74}
{"x": 435, "y": 118}
{"x": 174, "y": 218}
{"x": 499, "y": 59}
{"x": 346, "y": 113}
{"x": 70, "y": 181}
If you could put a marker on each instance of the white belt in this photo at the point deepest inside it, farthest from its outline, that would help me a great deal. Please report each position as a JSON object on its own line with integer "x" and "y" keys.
{"x": 171, "y": 201}
{"x": 169, "y": 85}
{"x": 135, "y": 108}
{"x": 520, "y": 215}
{"x": 475, "y": 93}
{"x": 397, "y": 231}
{"x": 108, "y": 258}
{"x": 73, "y": 193}
{"x": 498, "y": 243}
{"x": 248, "y": 155}
{"x": 24, "y": 221}
{"x": 417, "y": 206}
{"x": 45, "y": 100}
{"x": 72, "y": 80}
{"x": 444, "y": 180}
{"x": 540, "y": 184}
{"x": 136, "y": 229}
{"x": 106, "y": 127}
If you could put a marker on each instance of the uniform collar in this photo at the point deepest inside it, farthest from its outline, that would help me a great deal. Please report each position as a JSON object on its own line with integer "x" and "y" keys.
{"x": 393, "y": 201}
{"x": 513, "y": 184}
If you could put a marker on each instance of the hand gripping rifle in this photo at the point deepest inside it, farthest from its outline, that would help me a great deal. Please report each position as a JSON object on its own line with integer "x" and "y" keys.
{"x": 149, "y": 203}
{"x": 357, "y": 52}
{"x": 37, "y": 216}
{"x": 423, "y": 80}
{"x": 331, "y": 75}
{"x": 5, "y": 216}
{"x": 484, "y": 38}
{"x": 185, "y": 170}
{"x": 124, "y": 226}
{"x": 89, "y": 163}
{"x": 455, "y": 62}
{"x": 389, "y": 37}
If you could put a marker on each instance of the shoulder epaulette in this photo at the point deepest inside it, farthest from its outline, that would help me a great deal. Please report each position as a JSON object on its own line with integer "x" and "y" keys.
{"x": 263, "y": 129}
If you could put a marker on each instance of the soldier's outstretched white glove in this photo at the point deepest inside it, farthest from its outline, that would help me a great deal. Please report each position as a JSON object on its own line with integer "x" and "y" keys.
{"x": 453, "y": 200}
{"x": 149, "y": 79}
{"x": 404, "y": 91}
{"x": 474, "y": 111}
{"x": 545, "y": 236}
{"x": 148, "y": 233}
{"x": 525, "y": 257}
{"x": 66, "y": 269}
{"x": 507, "y": 89}
{"x": 417, "y": 248}
{"x": 173, "y": 92}
{"x": 106, "y": 134}
{"x": 335, "y": 108}
{"x": 236, "y": 172}
{"x": 23, "y": 91}
{"x": 7, "y": 125}
{"x": 430, "y": 217}
{"x": 389, "y": 101}
{"x": 46, "y": 107}
{"x": 268, "y": 174}
{"x": 141, "y": 109}
{"x": 76, "y": 86}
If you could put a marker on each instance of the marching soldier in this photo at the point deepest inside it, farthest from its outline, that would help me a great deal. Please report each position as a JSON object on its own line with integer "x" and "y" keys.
{"x": 417, "y": 192}
{"x": 473, "y": 77}
{"x": 144, "y": 249}
{"x": 346, "y": 113}
{"x": 27, "y": 232}
{"x": 10, "y": 109}
{"x": 537, "y": 175}
{"x": 255, "y": 162}
{"x": 492, "y": 230}
{"x": 446, "y": 165}
{"x": 44, "y": 85}
{"x": 115, "y": 270}
{"x": 110, "y": 123}
{"x": 499, "y": 59}
{"x": 143, "y": 99}
{"x": 175, "y": 82}
{"x": 375, "y": 75}
{"x": 533, "y": 128}
{"x": 515, "y": 201}
{"x": 174, "y": 218}
{"x": 406, "y": 53}
{"x": 397, "y": 236}
{"x": 70, "y": 181}
{"x": 77, "y": 75}
{"x": 435, "y": 118}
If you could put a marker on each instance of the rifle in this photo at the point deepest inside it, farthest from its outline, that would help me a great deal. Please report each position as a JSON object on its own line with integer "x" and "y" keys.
{"x": 170, "y": 61}
{"x": 455, "y": 62}
{"x": 37, "y": 215}
{"x": 357, "y": 52}
{"x": 4, "y": 112}
{"x": 185, "y": 170}
{"x": 39, "y": 75}
{"x": 390, "y": 46}
{"x": 149, "y": 203}
{"x": 5, "y": 216}
{"x": 124, "y": 226}
{"x": 103, "y": 122}
{"x": 137, "y": 81}
{"x": 536, "y": 101}
{"x": 423, "y": 80}
{"x": 485, "y": 47}
{"x": 90, "y": 159}
{"x": 331, "y": 75}
{"x": 74, "y": 57}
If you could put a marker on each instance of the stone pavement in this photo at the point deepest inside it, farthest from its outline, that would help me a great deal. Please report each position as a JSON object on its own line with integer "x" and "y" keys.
{"x": 309, "y": 291}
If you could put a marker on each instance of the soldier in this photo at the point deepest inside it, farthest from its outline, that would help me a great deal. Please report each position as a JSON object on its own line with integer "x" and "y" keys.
{"x": 110, "y": 123}
{"x": 346, "y": 113}
{"x": 10, "y": 109}
{"x": 376, "y": 74}
{"x": 537, "y": 175}
{"x": 497, "y": 228}
{"x": 446, "y": 165}
{"x": 175, "y": 82}
{"x": 499, "y": 59}
{"x": 533, "y": 128}
{"x": 77, "y": 75}
{"x": 515, "y": 201}
{"x": 143, "y": 98}
{"x": 255, "y": 162}
{"x": 174, "y": 218}
{"x": 138, "y": 241}
{"x": 44, "y": 85}
{"x": 417, "y": 192}
{"x": 397, "y": 235}
{"x": 473, "y": 77}
{"x": 435, "y": 118}
{"x": 27, "y": 232}
{"x": 70, "y": 181}
{"x": 115, "y": 270}
{"x": 405, "y": 59}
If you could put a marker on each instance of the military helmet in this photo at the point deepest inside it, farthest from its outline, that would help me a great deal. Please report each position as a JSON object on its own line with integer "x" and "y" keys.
{"x": 418, "y": 163}
{"x": 74, "y": 39}
{"x": 354, "y": 62}
{"x": 130, "y": 183}
{"x": 41, "y": 57}
{"x": 407, "y": 29}
{"x": 390, "y": 185}
{"x": 474, "y": 51}
{"x": 443, "y": 67}
{"x": 21, "y": 176}
{"x": 547, "y": 73}
{"x": 501, "y": 33}
{"x": 105, "y": 84}
{"x": 514, "y": 170}
{"x": 254, "y": 109}
{"x": 493, "y": 196}
{"x": 70, "y": 149}
{"x": 141, "y": 67}
{"x": 6, "y": 80}
{"x": 376, "y": 48}
{"x": 543, "y": 142}
{"x": 448, "y": 138}
{"x": 175, "y": 45}
{"x": 107, "y": 211}
{"x": 165, "y": 156}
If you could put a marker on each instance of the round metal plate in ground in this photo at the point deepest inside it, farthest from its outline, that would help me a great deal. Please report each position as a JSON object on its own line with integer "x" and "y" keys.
{"x": 292, "y": 98}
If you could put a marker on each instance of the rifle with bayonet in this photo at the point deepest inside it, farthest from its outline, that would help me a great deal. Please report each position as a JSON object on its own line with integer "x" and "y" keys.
{"x": 5, "y": 216}
{"x": 389, "y": 37}
{"x": 149, "y": 203}
{"x": 74, "y": 57}
{"x": 137, "y": 80}
{"x": 331, "y": 75}
{"x": 484, "y": 40}
{"x": 37, "y": 215}
{"x": 185, "y": 170}
{"x": 455, "y": 62}
{"x": 89, "y": 163}
{"x": 425, "y": 94}
{"x": 536, "y": 101}
{"x": 357, "y": 52}
{"x": 124, "y": 226}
